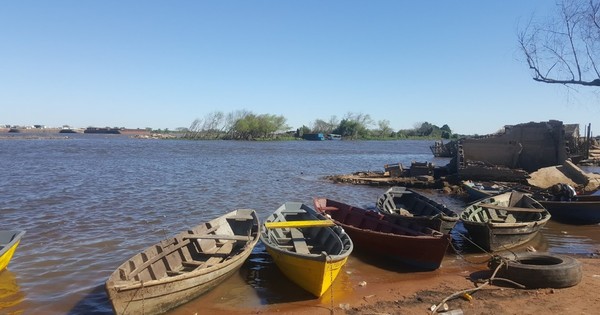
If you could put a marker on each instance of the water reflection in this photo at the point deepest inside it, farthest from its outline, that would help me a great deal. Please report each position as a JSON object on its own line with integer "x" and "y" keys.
{"x": 573, "y": 239}
{"x": 10, "y": 293}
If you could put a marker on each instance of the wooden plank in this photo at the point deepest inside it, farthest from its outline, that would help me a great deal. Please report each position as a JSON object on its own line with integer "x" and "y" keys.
{"x": 299, "y": 242}
{"x": 154, "y": 259}
{"x": 218, "y": 237}
{"x": 215, "y": 258}
{"x": 192, "y": 263}
{"x": 513, "y": 209}
{"x": 299, "y": 224}
{"x": 224, "y": 250}
{"x": 298, "y": 211}
{"x": 240, "y": 217}
{"x": 173, "y": 273}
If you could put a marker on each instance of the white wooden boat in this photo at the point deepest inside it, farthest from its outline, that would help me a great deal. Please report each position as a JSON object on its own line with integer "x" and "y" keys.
{"x": 180, "y": 268}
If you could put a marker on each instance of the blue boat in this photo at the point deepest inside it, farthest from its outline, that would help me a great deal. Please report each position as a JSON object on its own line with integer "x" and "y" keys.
{"x": 313, "y": 136}
{"x": 582, "y": 209}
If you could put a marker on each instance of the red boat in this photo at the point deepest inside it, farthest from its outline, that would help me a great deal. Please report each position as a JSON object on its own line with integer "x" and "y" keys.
{"x": 388, "y": 236}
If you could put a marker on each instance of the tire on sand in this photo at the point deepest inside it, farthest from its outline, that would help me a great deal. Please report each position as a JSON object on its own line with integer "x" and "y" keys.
{"x": 540, "y": 270}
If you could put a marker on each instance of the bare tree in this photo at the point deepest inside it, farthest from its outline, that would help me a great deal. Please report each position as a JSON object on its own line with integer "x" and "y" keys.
{"x": 214, "y": 124}
{"x": 333, "y": 122}
{"x": 194, "y": 129}
{"x": 320, "y": 125}
{"x": 363, "y": 119}
{"x": 325, "y": 127}
{"x": 384, "y": 128}
{"x": 565, "y": 49}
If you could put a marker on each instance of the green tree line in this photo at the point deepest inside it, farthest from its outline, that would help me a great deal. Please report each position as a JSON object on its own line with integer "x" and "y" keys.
{"x": 246, "y": 125}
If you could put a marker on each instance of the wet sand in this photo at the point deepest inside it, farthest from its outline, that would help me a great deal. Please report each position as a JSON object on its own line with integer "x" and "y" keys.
{"x": 372, "y": 286}
{"x": 384, "y": 291}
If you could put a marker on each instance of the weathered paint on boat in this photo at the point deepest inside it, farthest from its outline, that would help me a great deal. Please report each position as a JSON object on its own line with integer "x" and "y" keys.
{"x": 584, "y": 209}
{"x": 181, "y": 268}
{"x": 413, "y": 206}
{"x": 480, "y": 190}
{"x": 313, "y": 274}
{"x": 311, "y": 257}
{"x": 9, "y": 240}
{"x": 388, "y": 236}
{"x": 504, "y": 221}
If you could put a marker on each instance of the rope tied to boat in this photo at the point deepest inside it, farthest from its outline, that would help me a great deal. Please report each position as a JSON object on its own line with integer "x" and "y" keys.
{"x": 491, "y": 255}
{"x": 470, "y": 241}
{"x": 329, "y": 259}
{"x": 143, "y": 295}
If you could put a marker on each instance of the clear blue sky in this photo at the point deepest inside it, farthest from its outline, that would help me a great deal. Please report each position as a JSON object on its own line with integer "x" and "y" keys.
{"x": 162, "y": 64}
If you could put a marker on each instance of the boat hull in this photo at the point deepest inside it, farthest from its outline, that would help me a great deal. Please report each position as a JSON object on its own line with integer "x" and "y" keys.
{"x": 497, "y": 237}
{"x": 179, "y": 269}
{"x": 389, "y": 237}
{"x": 423, "y": 253}
{"x": 161, "y": 297}
{"x": 311, "y": 257}
{"x": 577, "y": 212}
{"x": 10, "y": 240}
{"x": 417, "y": 208}
{"x": 504, "y": 221}
{"x": 315, "y": 275}
{"x": 443, "y": 224}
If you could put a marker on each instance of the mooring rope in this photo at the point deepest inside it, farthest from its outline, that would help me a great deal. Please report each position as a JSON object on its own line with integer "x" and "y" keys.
{"x": 328, "y": 258}
{"x": 470, "y": 241}
{"x": 467, "y": 291}
{"x": 503, "y": 261}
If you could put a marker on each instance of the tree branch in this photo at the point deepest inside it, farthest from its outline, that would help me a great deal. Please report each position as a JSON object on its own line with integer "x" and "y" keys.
{"x": 595, "y": 82}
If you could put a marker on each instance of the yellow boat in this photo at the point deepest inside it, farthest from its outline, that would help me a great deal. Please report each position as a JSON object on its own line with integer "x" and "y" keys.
{"x": 9, "y": 240}
{"x": 308, "y": 248}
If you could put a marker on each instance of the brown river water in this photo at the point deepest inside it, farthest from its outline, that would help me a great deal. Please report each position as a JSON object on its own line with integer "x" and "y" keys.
{"x": 89, "y": 202}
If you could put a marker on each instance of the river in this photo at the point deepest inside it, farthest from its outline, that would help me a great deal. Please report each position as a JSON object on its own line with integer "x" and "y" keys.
{"x": 89, "y": 202}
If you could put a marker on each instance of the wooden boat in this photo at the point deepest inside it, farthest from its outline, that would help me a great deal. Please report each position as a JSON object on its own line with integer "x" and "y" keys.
{"x": 388, "y": 236}
{"x": 180, "y": 268}
{"x": 308, "y": 249}
{"x": 504, "y": 221}
{"x": 582, "y": 209}
{"x": 479, "y": 190}
{"x": 413, "y": 206}
{"x": 9, "y": 241}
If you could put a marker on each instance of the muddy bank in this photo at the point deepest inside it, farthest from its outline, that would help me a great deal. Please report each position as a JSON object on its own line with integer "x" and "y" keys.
{"x": 367, "y": 289}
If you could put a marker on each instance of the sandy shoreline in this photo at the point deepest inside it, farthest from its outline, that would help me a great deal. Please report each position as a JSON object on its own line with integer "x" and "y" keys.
{"x": 367, "y": 289}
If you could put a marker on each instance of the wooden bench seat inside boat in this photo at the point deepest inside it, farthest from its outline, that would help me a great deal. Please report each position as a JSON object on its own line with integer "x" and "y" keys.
{"x": 299, "y": 242}
{"x": 510, "y": 209}
{"x": 240, "y": 217}
{"x": 495, "y": 217}
{"x": 218, "y": 237}
{"x": 216, "y": 257}
{"x": 296, "y": 211}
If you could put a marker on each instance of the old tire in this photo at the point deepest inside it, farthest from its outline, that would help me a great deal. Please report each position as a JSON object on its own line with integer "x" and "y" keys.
{"x": 540, "y": 270}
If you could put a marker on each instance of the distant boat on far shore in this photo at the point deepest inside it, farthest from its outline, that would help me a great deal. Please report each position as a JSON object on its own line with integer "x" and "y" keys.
{"x": 67, "y": 131}
{"x": 114, "y": 131}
